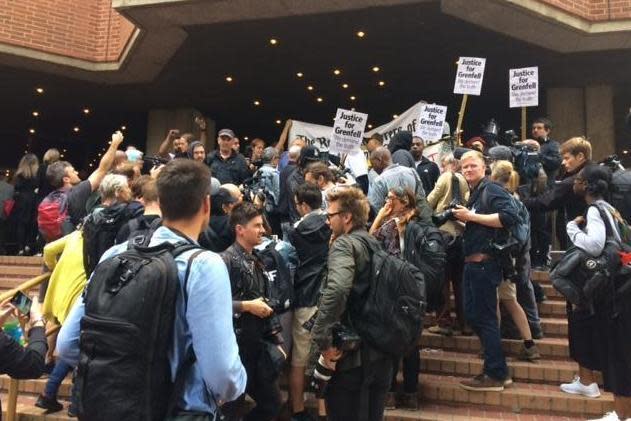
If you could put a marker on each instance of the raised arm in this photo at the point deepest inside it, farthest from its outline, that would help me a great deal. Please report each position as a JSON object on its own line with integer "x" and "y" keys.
{"x": 167, "y": 143}
{"x": 106, "y": 161}
{"x": 282, "y": 140}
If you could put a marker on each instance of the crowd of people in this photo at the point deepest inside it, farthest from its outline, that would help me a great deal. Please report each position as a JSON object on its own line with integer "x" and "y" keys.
{"x": 258, "y": 258}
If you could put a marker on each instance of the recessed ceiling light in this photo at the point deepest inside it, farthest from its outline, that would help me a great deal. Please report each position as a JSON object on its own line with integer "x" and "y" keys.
{"x": 246, "y": 138}
{"x": 86, "y": 111}
{"x": 75, "y": 129}
{"x": 625, "y": 152}
{"x": 375, "y": 69}
{"x": 353, "y": 98}
{"x": 35, "y": 113}
{"x": 395, "y": 116}
{"x": 361, "y": 34}
{"x": 319, "y": 99}
{"x": 370, "y": 126}
{"x": 123, "y": 128}
{"x": 382, "y": 83}
{"x": 278, "y": 121}
{"x": 310, "y": 88}
{"x": 337, "y": 72}
{"x": 91, "y": 165}
{"x": 273, "y": 41}
{"x": 39, "y": 90}
{"x": 345, "y": 85}
{"x": 228, "y": 79}
{"x": 31, "y": 131}
{"x": 299, "y": 74}
{"x": 99, "y": 155}
{"x": 257, "y": 102}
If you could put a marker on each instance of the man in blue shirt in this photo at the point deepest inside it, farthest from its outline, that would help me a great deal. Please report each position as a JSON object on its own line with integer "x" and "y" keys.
{"x": 204, "y": 322}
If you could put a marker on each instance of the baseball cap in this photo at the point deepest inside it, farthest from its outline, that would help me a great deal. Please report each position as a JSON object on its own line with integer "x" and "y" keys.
{"x": 225, "y": 132}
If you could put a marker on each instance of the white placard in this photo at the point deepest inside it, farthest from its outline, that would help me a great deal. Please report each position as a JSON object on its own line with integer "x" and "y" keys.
{"x": 348, "y": 131}
{"x": 430, "y": 125}
{"x": 469, "y": 75}
{"x": 523, "y": 87}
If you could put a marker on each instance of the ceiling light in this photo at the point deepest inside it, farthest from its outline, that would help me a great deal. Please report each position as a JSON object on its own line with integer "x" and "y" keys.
{"x": 625, "y": 152}
{"x": 361, "y": 34}
{"x": 337, "y": 72}
{"x": 353, "y": 98}
{"x": 370, "y": 126}
{"x": 39, "y": 90}
{"x": 299, "y": 74}
{"x": 319, "y": 99}
{"x": 123, "y": 128}
{"x": 35, "y": 113}
{"x": 310, "y": 88}
{"x": 61, "y": 155}
{"x": 257, "y": 102}
{"x": 345, "y": 85}
{"x": 278, "y": 121}
{"x": 98, "y": 154}
{"x": 31, "y": 131}
{"x": 395, "y": 116}
{"x": 91, "y": 165}
{"x": 246, "y": 138}
{"x": 375, "y": 69}
{"x": 228, "y": 79}
{"x": 381, "y": 83}
{"x": 75, "y": 129}
{"x": 86, "y": 111}
{"x": 273, "y": 41}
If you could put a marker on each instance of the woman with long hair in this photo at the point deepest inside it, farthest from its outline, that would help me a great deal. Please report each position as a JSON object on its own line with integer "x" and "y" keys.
{"x": 25, "y": 212}
{"x": 51, "y": 155}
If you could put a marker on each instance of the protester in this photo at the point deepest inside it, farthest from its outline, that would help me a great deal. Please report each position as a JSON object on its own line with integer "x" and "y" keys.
{"x": 399, "y": 147}
{"x": 197, "y": 151}
{"x": 255, "y": 156}
{"x": 217, "y": 373}
{"x": 375, "y": 141}
{"x": 427, "y": 170}
{"x": 226, "y": 164}
{"x": 23, "y": 362}
{"x": 482, "y": 271}
{"x": 476, "y": 143}
{"x": 361, "y": 378}
{"x": 44, "y": 188}
{"x": 258, "y": 329}
{"x": 218, "y": 235}
{"x": 175, "y": 145}
{"x": 389, "y": 228}
{"x": 25, "y": 210}
{"x": 268, "y": 178}
{"x": 310, "y": 236}
{"x": 321, "y": 176}
{"x": 151, "y": 217}
{"x": 289, "y": 214}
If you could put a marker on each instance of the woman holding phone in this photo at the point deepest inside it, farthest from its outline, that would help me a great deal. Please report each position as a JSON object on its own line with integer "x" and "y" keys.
{"x": 15, "y": 360}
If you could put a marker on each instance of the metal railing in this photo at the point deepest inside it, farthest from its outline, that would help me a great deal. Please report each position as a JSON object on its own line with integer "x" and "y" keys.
{"x": 14, "y": 384}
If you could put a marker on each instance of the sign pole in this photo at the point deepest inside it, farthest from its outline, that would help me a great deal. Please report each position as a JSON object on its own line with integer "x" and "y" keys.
{"x": 463, "y": 106}
{"x": 523, "y": 123}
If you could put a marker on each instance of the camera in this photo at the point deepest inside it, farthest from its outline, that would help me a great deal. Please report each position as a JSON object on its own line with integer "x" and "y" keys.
{"x": 271, "y": 325}
{"x": 447, "y": 215}
{"x": 345, "y": 339}
{"x": 148, "y": 162}
{"x": 504, "y": 254}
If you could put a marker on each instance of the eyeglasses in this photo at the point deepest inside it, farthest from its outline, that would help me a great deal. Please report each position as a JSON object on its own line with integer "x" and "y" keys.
{"x": 331, "y": 215}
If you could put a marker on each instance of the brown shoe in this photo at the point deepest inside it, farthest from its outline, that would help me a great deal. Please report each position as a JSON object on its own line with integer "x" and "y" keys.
{"x": 391, "y": 400}
{"x": 529, "y": 354}
{"x": 483, "y": 383}
{"x": 409, "y": 402}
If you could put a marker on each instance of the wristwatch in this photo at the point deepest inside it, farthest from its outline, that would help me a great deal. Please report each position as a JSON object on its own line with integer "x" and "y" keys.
{"x": 41, "y": 319}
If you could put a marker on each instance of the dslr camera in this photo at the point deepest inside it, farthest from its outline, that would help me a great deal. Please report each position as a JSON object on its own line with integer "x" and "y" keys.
{"x": 446, "y": 215}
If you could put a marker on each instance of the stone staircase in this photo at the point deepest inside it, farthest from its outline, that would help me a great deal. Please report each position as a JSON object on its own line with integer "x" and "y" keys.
{"x": 535, "y": 394}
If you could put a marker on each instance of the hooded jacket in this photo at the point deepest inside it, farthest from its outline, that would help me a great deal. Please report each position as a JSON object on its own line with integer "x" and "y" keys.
{"x": 310, "y": 236}
{"x": 399, "y": 147}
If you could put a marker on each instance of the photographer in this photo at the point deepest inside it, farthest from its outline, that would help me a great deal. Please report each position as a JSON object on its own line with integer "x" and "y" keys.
{"x": 360, "y": 376}
{"x": 257, "y": 327}
{"x": 488, "y": 211}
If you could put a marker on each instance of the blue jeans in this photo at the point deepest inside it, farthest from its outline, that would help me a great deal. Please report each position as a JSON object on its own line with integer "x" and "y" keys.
{"x": 480, "y": 282}
{"x": 55, "y": 378}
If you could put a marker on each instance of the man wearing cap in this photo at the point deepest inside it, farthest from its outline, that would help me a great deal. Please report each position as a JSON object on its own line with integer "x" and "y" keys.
{"x": 227, "y": 165}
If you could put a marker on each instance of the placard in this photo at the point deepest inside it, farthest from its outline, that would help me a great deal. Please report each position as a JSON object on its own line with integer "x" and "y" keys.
{"x": 469, "y": 75}
{"x": 348, "y": 131}
{"x": 523, "y": 87}
{"x": 431, "y": 122}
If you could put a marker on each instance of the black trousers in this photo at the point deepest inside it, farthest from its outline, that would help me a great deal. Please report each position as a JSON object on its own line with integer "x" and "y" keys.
{"x": 540, "y": 236}
{"x": 359, "y": 394}
{"x": 411, "y": 369}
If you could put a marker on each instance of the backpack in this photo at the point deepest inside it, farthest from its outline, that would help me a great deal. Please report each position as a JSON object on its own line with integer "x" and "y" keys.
{"x": 140, "y": 230}
{"x": 621, "y": 193}
{"x": 517, "y": 236}
{"x": 126, "y": 334}
{"x": 425, "y": 247}
{"x": 99, "y": 233}
{"x": 53, "y": 220}
{"x": 280, "y": 286}
{"x": 386, "y": 308}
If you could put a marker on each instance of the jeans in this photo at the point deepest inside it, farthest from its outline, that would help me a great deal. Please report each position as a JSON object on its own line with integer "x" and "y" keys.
{"x": 359, "y": 394}
{"x": 525, "y": 290}
{"x": 55, "y": 378}
{"x": 480, "y": 284}
{"x": 411, "y": 369}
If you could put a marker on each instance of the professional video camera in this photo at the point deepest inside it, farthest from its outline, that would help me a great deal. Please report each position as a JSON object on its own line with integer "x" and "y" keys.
{"x": 612, "y": 162}
{"x": 148, "y": 162}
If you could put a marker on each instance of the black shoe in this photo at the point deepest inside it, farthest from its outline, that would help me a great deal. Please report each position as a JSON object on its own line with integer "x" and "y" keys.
{"x": 49, "y": 404}
{"x": 72, "y": 411}
{"x": 536, "y": 332}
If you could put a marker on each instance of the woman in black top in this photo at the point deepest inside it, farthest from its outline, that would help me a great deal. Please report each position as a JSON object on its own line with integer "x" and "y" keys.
{"x": 25, "y": 212}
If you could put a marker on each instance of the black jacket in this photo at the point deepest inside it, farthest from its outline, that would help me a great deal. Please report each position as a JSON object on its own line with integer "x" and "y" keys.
{"x": 550, "y": 159}
{"x": 311, "y": 238}
{"x": 218, "y": 236}
{"x": 429, "y": 173}
{"x": 399, "y": 147}
{"x": 23, "y": 363}
{"x": 232, "y": 170}
{"x": 288, "y": 186}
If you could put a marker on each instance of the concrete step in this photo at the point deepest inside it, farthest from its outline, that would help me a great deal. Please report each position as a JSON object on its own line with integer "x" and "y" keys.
{"x": 551, "y": 293}
{"x": 550, "y": 348}
{"x": 554, "y": 327}
{"x": 21, "y": 260}
{"x": 540, "y": 398}
{"x": 543, "y": 277}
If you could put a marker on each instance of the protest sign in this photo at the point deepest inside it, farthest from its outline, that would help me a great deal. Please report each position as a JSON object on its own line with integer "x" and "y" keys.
{"x": 523, "y": 87}
{"x": 431, "y": 122}
{"x": 469, "y": 75}
{"x": 348, "y": 131}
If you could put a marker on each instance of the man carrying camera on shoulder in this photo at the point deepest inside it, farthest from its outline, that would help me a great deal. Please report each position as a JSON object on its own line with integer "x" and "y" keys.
{"x": 258, "y": 329}
{"x": 360, "y": 375}
{"x": 488, "y": 211}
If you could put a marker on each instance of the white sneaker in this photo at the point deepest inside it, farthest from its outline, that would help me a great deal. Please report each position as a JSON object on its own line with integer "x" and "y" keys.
{"x": 578, "y": 388}
{"x": 609, "y": 416}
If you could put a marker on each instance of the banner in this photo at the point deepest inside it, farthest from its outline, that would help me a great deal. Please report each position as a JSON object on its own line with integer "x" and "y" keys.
{"x": 348, "y": 131}
{"x": 469, "y": 75}
{"x": 406, "y": 121}
{"x": 430, "y": 127}
{"x": 523, "y": 87}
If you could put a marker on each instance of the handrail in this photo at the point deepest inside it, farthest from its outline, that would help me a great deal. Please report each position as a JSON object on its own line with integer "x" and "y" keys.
{"x": 14, "y": 383}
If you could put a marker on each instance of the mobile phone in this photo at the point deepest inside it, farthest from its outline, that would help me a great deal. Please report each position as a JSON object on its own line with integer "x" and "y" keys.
{"x": 22, "y": 302}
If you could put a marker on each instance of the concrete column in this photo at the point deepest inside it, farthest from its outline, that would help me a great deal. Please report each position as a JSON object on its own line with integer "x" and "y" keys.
{"x": 600, "y": 126}
{"x": 160, "y": 121}
{"x": 566, "y": 109}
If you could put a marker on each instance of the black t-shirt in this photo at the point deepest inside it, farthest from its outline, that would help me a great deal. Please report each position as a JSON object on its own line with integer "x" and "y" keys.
{"x": 78, "y": 196}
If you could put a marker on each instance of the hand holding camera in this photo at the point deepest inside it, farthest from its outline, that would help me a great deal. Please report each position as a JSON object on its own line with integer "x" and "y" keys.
{"x": 258, "y": 307}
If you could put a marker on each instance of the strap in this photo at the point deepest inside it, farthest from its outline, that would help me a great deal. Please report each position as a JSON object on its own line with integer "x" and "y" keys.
{"x": 605, "y": 218}
{"x": 456, "y": 196}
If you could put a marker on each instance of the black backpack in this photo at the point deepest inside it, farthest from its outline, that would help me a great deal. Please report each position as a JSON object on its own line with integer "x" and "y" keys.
{"x": 621, "y": 193}
{"x": 126, "y": 332}
{"x": 140, "y": 231}
{"x": 280, "y": 287}
{"x": 100, "y": 229}
{"x": 425, "y": 247}
{"x": 387, "y": 307}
